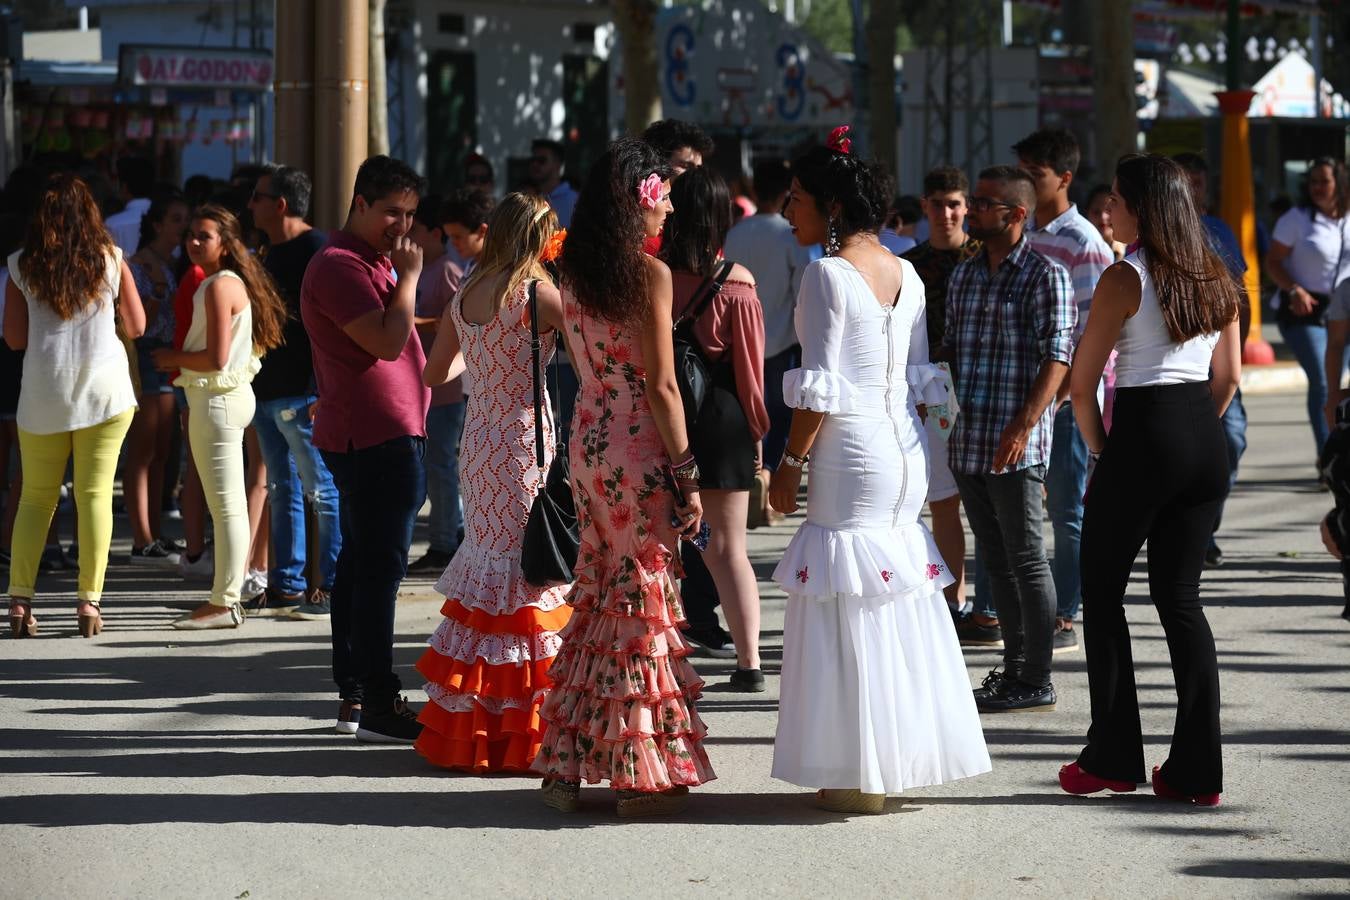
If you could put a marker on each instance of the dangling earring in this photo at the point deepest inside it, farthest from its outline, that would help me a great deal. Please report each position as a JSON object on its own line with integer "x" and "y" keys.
{"x": 831, "y": 238}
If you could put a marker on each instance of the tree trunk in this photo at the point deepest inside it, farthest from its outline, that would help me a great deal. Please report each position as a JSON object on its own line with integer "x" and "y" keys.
{"x": 883, "y": 18}
{"x": 636, "y": 23}
{"x": 378, "y": 140}
{"x": 1113, "y": 85}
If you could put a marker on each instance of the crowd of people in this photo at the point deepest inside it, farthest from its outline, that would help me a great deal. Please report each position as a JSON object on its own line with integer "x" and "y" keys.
{"x": 986, "y": 350}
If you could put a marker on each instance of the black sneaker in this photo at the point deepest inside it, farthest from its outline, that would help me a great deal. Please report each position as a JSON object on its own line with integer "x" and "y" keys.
{"x": 992, "y": 684}
{"x": 1345, "y": 613}
{"x": 349, "y": 717}
{"x": 396, "y": 724}
{"x": 272, "y": 603}
{"x": 315, "y": 608}
{"x": 973, "y": 634}
{"x": 1018, "y": 696}
{"x": 747, "y": 681}
{"x": 54, "y": 560}
{"x": 433, "y": 562}
{"x": 1213, "y": 557}
{"x": 155, "y": 553}
{"x": 1066, "y": 638}
{"x": 711, "y": 641}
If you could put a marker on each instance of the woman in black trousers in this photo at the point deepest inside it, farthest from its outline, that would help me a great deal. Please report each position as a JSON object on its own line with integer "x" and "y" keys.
{"x": 1170, "y": 310}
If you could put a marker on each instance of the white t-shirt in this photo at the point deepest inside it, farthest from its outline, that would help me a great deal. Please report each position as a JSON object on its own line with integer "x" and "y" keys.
{"x": 125, "y": 226}
{"x": 1317, "y": 244}
{"x": 766, "y": 246}
{"x": 75, "y": 373}
{"x": 1146, "y": 352}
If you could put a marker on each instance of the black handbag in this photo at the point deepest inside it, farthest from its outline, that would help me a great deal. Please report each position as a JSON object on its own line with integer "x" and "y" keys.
{"x": 1285, "y": 316}
{"x": 692, "y": 371}
{"x": 549, "y": 550}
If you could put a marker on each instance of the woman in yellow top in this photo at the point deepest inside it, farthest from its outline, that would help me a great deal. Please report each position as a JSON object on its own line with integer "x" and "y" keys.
{"x": 237, "y": 316}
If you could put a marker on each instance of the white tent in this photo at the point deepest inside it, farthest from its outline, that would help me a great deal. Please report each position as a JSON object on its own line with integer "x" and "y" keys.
{"x": 1287, "y": 91}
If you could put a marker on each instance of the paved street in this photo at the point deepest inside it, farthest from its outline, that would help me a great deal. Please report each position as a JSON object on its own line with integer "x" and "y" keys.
{"x": 152, "y": 763}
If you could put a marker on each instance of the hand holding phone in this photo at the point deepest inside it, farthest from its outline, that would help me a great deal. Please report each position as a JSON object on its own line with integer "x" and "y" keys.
{"x": 687, "y": 519}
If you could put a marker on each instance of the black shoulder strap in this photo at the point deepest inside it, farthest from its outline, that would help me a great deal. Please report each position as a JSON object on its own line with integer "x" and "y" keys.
{"x": 710, "y": 288}
{"x": 538, "y": 379}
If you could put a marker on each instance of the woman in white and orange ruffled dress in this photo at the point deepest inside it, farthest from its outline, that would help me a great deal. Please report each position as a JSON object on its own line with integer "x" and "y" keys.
{"x": 874, "y": 697}
{"x": 487, "y": 663}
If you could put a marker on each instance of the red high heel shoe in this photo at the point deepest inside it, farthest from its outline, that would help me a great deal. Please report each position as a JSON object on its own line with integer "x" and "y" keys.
{"x": 1167, "y": 792}
{"x": 1075, "y": 781}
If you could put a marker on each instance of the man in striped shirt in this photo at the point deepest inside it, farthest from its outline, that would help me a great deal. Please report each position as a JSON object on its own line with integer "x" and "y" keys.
{"x": 1010, "y": 324}
{"x": 1065, "y": 237}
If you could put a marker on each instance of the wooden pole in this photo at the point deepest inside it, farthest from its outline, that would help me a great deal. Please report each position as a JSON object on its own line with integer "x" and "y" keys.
{"x": 341, "y": 105}
{"x": 294, "y": 85}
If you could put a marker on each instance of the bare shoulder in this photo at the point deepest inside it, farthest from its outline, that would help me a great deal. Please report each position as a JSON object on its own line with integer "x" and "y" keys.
{"x": 1121, "y": 277}
{"x": 548, "y": 291}
{"x": 657, "y": 269}
{"x": 741, "y": 273}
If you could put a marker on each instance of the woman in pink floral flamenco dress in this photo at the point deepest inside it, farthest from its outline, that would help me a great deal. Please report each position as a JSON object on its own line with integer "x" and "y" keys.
{"x": 623, "y": 708}
{"x": 487, "y": 664}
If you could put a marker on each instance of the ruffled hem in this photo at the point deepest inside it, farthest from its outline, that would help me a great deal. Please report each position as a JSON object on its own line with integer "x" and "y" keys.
{"x": 480, "y": 578}
{"x": 476, "y": 738}
{"x": 622, "y": 709}
{"x": 822, "y": 563}
{"x": 818, "y": 391}
{"x": 500, "y": 682}
{"x": 218, "y": 382}
{"x": 930, "y": 384}
{"x": 460, "y": 642}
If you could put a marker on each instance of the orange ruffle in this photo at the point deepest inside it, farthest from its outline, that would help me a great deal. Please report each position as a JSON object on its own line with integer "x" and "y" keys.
{"x": 526, "y": 620}
{"x": 504, "y": 682}
{"x": 479, "y": 741}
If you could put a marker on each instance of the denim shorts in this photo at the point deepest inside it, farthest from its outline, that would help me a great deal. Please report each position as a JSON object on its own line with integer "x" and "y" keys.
{"x": 153, "y": 381}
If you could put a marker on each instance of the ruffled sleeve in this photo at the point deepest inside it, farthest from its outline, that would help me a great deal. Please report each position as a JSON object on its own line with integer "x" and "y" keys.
{"x": 821, "y": 312}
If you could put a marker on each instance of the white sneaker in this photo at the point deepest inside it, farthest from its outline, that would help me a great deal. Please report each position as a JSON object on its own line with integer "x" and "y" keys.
{"x": 255, "y": 582}
{"x": 201, "y": 570}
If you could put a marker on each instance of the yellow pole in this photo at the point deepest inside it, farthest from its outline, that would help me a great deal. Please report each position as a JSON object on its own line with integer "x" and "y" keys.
{"x": 1237, "y": 207}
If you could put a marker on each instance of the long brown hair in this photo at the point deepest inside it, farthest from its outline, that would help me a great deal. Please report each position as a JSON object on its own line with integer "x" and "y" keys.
{"x": 66, "y": 249}
{"x": 269, "y": 311}
{"x": 1196, "y": 292}
{"x": 518, "y": 229}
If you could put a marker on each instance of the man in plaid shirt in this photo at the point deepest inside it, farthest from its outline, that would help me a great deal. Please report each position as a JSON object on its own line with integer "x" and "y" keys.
{"x": 1010, "y": 323}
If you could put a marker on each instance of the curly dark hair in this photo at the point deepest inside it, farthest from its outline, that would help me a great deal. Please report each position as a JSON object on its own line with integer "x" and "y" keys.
{"x": 862, "y": 189}
{"x": 602, "y": 262}
{"x": 698, "y": 227}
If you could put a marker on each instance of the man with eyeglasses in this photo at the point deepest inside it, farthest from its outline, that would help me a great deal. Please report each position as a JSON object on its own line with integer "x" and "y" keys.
{"x": 479, "y": 174}
{"x": 285, "y": 391}
{"x": 546, "y": 167}
{"x": 1010, "y": 326}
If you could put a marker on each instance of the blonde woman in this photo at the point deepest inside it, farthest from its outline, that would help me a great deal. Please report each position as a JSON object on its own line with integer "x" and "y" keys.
{"x": 487, "y": 664}
{"x": 236, "y": 317}
{"x": 65, "y": 287}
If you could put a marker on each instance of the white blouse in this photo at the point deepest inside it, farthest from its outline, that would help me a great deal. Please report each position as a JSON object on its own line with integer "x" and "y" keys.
{"x": 1146, "y": 353}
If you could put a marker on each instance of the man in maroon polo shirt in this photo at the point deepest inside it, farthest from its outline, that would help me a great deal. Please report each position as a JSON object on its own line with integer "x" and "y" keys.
{"x": 357, "y": 304}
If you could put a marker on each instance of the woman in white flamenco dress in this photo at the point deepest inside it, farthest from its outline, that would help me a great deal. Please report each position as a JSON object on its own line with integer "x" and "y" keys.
{"x": 875, "y": 697}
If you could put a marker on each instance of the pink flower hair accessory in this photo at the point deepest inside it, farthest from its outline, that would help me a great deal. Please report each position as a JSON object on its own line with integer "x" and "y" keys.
{"x": 649, "y": 191}
{"x": 839, "y": 141}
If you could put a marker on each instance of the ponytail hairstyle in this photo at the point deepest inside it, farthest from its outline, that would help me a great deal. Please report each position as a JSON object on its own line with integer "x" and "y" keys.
{"x": 517, "y": 230}
{"x": 1196, "y": 292}
{"x": 269, "y": 311}
{"x": 602, "y": 263}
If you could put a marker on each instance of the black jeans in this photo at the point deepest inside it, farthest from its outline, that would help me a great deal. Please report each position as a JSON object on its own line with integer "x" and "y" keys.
{"x": 698, "y": 593}
{"x": 380, "y": 489}
{"x": 1005, "y": 512}
{"x": 1161, "y": 479}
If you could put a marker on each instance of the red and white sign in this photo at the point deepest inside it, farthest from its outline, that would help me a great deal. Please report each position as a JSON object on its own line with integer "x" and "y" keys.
{"x": 199, "y": 67}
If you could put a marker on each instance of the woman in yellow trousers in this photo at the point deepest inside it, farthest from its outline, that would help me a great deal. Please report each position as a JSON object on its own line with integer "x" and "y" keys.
{"x": 67, "y": 287}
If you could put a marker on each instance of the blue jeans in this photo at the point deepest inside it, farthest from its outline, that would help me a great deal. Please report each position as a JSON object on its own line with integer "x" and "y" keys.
{"x": 1235, "y": 437}
{"x": 380, "y": 490}
{"x": 286, "y": 435}
{"x": 445, "y": 425}
{"x": 1309, "y": 345}
{"x": 780, "y": 414}
{"x": 1065, "y": 483}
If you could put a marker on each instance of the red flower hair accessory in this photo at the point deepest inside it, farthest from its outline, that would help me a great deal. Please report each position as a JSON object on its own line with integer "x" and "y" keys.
{"x": 839, "y": 141}
{"x": 553, "y": 246}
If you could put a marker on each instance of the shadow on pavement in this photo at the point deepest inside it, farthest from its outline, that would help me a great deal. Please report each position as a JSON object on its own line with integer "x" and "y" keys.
{"x": 1295, "y": 869}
